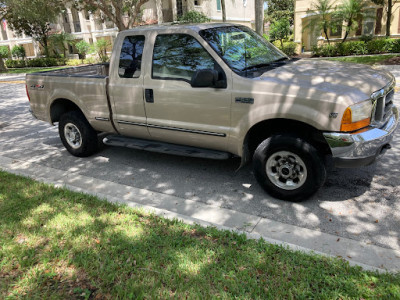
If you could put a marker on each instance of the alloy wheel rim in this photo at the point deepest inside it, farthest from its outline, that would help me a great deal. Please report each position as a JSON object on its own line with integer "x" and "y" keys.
{"x": 72, "y": 135}
{"x": 286, "y": 170}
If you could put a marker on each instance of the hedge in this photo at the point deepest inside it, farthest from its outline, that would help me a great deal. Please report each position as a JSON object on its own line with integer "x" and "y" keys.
{"x": 35, "y": 62}
{"x": 376, "y": 46}
{"x": 289, "y": 48}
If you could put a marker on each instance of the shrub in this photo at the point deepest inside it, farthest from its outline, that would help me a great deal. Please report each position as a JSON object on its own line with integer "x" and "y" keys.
{"x": 4, "y": 52}
{"x": 351, "y": 48}
{"x": 395, "y": 46}
{"x": 289, "y": 48}
{"x": 35, "y": 62}
{"x": 83, "y": 49}
{"x": 101, "y": 47}
{"x": 194, "y": 17}
{"x": 10, "y": 63}
{"x": 73, "y": 62}
{"x": 280, "y": 30}
{"x": 18, "y": 51}
{"x": 325, "y": 50}
{"x": 366, "y": 38}
{"x": 377, "y": 46}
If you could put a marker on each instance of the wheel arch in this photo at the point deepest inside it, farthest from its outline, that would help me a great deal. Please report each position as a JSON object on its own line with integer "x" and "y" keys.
{"x": 61, "y": 106}
{"x": 264, "y": 129}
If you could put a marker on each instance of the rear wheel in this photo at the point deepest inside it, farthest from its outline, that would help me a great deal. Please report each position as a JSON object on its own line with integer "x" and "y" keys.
{"x": 288, "y": 167}
{"x": 76, "y": 134}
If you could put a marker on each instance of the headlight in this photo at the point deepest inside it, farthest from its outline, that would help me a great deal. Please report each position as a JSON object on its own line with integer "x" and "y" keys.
{"x": 357, "y": 116}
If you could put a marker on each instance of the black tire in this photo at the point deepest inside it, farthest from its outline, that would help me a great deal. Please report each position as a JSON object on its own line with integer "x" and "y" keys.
{"x": 309, "y": 171}
{"x": 86, "y": 137}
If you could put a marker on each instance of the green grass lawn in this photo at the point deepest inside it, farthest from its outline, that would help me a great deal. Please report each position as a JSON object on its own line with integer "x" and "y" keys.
{"x": 63, "y": 245}
{"x": 30, "y": 70}
{"x": 368, "y": 59}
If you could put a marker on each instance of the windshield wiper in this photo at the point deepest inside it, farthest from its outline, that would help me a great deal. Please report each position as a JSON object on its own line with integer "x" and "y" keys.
{"x": 279, "y": 59}
{"x": 265, "y": 64}
{"x": 257, "y": 66}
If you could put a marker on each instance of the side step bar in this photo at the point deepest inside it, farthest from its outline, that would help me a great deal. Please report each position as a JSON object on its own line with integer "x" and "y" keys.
{"x": 160, "y": 147}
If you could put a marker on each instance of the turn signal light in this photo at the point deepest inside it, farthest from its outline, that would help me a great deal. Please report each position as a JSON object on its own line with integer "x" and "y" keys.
{"x": 348, "y": 125}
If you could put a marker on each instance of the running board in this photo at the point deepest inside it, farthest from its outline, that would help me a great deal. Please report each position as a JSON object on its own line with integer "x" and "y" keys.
{"x": 160, "y": 147}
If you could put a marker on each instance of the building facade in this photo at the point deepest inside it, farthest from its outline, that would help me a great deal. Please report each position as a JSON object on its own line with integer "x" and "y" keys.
{"x": 374, "y": 24}
{"x": 83, "y": 25}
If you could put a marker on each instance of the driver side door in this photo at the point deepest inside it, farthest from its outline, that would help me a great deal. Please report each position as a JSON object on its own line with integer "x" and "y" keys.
{"x": 177, "y": 112}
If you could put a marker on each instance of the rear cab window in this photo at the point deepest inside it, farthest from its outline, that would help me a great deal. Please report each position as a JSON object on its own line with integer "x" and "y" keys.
{"x": 130, "y": 59}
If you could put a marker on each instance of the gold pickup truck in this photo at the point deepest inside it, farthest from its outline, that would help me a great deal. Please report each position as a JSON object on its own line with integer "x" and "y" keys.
{"x": 217, "y": 91}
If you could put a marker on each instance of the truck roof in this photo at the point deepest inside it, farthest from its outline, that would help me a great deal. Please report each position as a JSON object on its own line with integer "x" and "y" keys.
{"x": 193, "y": 26}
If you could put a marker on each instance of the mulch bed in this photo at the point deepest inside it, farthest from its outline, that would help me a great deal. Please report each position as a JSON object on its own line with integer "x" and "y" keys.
{"x": 391, "y": 61}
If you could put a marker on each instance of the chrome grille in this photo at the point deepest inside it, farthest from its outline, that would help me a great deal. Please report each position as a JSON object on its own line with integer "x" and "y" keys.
{"x": 383, "y": 103}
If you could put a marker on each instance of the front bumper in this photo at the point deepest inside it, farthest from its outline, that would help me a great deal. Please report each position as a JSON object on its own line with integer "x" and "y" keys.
{"x": 363, "y": 148}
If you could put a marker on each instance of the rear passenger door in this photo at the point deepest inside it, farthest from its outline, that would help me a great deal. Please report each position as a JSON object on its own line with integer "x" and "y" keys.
{"x": 126, "y": 87}
{"x": 176, "y": 111}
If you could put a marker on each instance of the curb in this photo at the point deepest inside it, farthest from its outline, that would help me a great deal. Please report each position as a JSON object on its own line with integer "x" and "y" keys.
{"x": 369, "y": 257}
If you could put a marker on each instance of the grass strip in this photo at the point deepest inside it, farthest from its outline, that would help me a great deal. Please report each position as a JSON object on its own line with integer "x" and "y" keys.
{"x": 59, "y": 244}
{"x": 30, "y": 70}
{"x": 368, "y": 59}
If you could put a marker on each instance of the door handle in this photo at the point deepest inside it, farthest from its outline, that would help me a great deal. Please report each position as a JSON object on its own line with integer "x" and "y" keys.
{"x": 148, "y": 94}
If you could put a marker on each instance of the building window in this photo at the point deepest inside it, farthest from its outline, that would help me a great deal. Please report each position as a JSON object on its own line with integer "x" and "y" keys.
{"x": 218, "y": 5}
{"x": 197, "y": 3}
{"x": 179, "y": 8}
{"x": 336, "y": 31}
{"x": 369, "y": 22}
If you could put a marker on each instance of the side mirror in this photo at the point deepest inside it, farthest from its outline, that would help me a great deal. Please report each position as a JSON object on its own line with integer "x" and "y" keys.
{"x": 204, "y": 78}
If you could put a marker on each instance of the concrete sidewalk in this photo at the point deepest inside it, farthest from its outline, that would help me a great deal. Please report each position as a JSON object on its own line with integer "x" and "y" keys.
{"x": 370, "y": 257}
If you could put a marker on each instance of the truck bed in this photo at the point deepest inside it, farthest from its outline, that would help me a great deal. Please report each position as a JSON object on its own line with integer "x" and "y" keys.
{"x": 98, "y": 70}
{"x": 85, "y": 87}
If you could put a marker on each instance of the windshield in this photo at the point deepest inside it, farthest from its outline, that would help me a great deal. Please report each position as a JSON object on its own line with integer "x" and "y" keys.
{"x": 241, "y": 48}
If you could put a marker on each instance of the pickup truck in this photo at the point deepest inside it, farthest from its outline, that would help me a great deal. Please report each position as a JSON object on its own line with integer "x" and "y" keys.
{"x": 221, "y": 90}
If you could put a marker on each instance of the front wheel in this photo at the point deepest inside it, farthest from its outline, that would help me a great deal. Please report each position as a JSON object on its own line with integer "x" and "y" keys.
{"x": 288, "y": 167}
{"x": 76, "y": 134}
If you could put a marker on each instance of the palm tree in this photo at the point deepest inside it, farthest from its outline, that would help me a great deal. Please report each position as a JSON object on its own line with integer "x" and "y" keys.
{"x": 322, "y": 18}
{"x": 350, "y": 11}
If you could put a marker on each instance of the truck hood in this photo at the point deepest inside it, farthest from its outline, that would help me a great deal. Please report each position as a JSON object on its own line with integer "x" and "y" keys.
{"x": 353, "y": 81}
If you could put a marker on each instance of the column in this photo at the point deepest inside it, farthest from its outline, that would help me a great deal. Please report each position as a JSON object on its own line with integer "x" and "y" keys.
{"x": 70, "y": 20}
{"x": 173, "y": 8}
{"x": 159, "y": 12}
{"x": 82, "y": 21}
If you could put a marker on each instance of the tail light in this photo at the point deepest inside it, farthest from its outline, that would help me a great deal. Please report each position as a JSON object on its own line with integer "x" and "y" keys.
{"x": 27, "y": 93}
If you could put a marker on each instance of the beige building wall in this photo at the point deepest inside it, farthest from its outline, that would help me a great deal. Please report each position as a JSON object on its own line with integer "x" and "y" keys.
{"x": 306, "y": 37}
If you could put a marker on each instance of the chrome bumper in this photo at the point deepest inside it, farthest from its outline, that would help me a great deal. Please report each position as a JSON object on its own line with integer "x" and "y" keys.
{"x": 359, "y": 149}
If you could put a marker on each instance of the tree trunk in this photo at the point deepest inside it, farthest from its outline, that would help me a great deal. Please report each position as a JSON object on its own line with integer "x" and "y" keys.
{"x": 345, "y": 36}
{"x": 259, "y": 12}
{"x": 2, "y": 66}
{"x": 223, "y": 8}
{"x": 326, "y": 35}
{"x": 389, "y": 17}
{"x": 347, "y": 30}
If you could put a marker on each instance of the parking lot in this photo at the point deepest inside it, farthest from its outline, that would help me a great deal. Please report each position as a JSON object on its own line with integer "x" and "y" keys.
{"x": 359, "y": 204}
